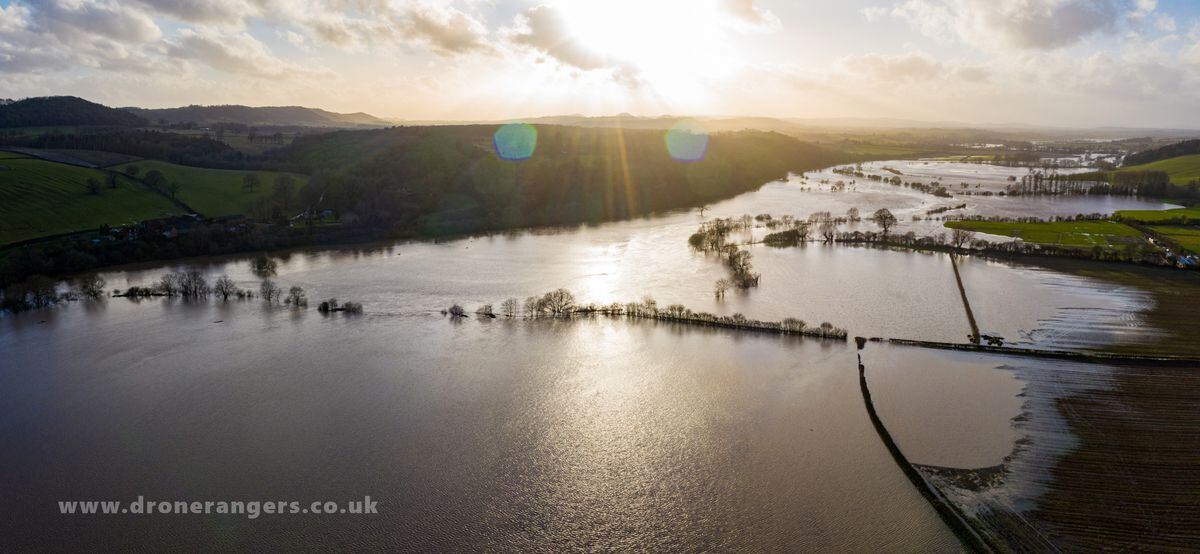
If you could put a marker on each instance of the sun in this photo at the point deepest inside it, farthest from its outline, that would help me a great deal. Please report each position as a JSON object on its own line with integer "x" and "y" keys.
{"x": 674, "y": 46}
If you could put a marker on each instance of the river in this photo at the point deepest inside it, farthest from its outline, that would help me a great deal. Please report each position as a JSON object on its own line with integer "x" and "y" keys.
{"x": 547, "y": 435}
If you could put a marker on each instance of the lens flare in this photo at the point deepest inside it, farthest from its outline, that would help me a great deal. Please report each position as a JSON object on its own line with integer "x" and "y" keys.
{"x": 687, "y": 141}
{"x": 515, "y": 141}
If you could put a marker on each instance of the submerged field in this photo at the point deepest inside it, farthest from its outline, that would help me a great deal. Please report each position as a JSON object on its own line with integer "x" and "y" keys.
{"x": 40, "y": 198}
{"x": 214, "y": 192}
{"x": 1081, "y": 234}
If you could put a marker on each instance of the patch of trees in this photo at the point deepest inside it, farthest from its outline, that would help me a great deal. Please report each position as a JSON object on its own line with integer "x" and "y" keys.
{"x": 1185, "y": 148}
{"x": 171, "y": 147}
{"x": 711, "y": 238}
{"x": 49, "y": 111}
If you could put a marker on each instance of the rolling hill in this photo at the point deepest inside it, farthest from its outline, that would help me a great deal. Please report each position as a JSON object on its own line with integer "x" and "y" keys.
{"x": 49, "y": 111}
{"x": 263, "y": 116}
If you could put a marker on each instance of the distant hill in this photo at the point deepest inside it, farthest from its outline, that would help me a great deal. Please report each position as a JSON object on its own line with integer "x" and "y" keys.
{"x": 1185, "y": 148}
{"x": 49, "y": 111}
{"x": 266, "y": 115}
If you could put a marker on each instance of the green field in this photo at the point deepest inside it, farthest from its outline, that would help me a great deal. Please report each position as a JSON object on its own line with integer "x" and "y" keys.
{"x": 1182, "y": 170}
{"x": 1157, "y": 216}
{"x": 1188, "y": 237}
{"x": 240, "y": 141}
{"x": 213, "y": 192}
{"x": 11, "y": 155}
{"x": 39, "y": 198}
{"x": 1084, "y": 234}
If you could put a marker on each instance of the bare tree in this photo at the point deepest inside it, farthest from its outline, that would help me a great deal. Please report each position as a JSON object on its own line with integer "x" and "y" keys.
{"x": 961, "y": 237}
{"x": 532, "y": 306}
{"x": 225, "y": 287}
{"x": 510, "y": 307}
{"x": 485, "y": 311}
{"x": 269, "y": 291}
{"x": 828, "y": 230}
{"x": 169, "y": 284}
{"x": 559, "y": 302}
{"x": 296, "y": 298}
{"x": 92, "y": 285}
{"x": 883, "y": 217}
{"x": 721, "y": 286}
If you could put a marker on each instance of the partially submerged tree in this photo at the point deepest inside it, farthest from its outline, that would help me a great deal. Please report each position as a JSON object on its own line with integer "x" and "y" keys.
{"x": 719, "y": 289}
{"x": 883, "y": 217}
{"x": 269, "y": 291}
{"x": 296, "y": 298}
{"x": 961, "y": 237}
{"x": 510, "y": 307}
{"x": 92, "y": 286}
{"x": 225, "y": 287}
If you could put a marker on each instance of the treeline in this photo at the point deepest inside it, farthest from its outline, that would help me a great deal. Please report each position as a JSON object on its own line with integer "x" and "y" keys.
{"x": 67, "y": 257}
{"x": 1140, "y": 183}
{"x": 450, "y": 179}
{"x": 561, "y": 303}
{"x": 1185, "y": 148}
{"x": 171, "y": 147}
{"x": 42, "y": 292}
{"x": 49, "y": 111}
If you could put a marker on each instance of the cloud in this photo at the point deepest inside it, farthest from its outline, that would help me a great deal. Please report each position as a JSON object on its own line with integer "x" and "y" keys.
{"x": 913, "y": 67}
{"x": 446, "y": 30}
{"x": 873, "y": 13}
{"x": 748, "y": 14}
{"x": 237, "y": 53}
{"x": 1022, "y": 24}
{"x": 227, "y": 12}
{"x": 546, "y": 31}
{"x": 55, "y": 35}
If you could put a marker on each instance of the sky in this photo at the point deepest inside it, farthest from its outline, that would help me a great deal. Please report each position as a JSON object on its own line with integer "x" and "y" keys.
{"x": 1076, "y": 63}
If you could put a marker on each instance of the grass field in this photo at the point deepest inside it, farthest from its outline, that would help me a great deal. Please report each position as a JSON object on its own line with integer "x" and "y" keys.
{"x": 1157, "y": 216}
{"x": 213, "y": 192}
{"x": 39, "y": 198}
{"x": 1188, "y": 237}
{"x": 1083, "y": 234}
{"x": 1182, "y": 170}
{"x": 11, "y": 155}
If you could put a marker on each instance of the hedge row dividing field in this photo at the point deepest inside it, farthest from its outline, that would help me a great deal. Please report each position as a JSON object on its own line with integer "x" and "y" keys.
{"x": 213, "y": 192}
{"x": 40, "y": 198}
{"x": 1082, "y": 234}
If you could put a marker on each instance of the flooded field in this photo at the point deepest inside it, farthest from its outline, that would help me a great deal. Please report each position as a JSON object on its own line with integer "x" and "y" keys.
{"x": 606, "y": 433}
{"x": 1083, "y": 456}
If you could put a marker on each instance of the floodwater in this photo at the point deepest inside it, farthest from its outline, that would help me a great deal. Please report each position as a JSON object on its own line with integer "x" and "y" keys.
{"x": 547, "y": 436}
